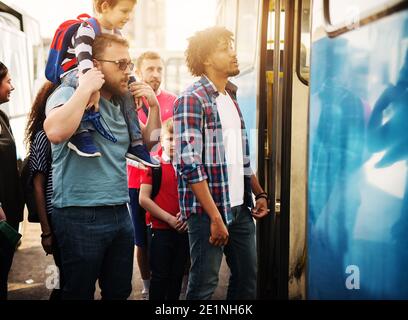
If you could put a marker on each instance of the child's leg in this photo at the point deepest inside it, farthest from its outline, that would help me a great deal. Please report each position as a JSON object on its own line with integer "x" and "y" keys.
{"x": 132, "y": 120}
{"x": 137, "y": 150}
{"x": 180, "y": 254}
{"x": 81, "y": 141}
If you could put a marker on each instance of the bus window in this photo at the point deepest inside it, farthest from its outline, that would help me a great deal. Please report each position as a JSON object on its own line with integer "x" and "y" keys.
{"x": 271, "y": 29}
{"x": 350, "y": 11}
{"x": 13, "y": 53}
{"x": 346, "y": 15}
{"x": 247, "y": 28}
{"x": 226, "y": 14}
{"x": 303, "y": 54}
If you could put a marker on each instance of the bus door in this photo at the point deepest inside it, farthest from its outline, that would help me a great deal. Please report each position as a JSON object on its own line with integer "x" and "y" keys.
{"x": 283, "y": 105}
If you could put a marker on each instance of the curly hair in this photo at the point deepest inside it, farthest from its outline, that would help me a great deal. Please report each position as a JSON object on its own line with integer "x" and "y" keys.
{"x": 3, "y": 71}
{"x": 97, "y": 3}
{"x": 37, "y": 115}
{"x": 201, "y": 45}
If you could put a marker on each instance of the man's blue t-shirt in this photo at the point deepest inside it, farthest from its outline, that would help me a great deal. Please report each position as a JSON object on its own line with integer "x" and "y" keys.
{"x": 88, "y": 182}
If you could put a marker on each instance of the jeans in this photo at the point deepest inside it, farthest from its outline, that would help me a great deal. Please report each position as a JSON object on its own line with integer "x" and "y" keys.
{"x": 168, "y": 257}
{"x": 95, "y": 243}
{"x": 138, "y": 219}
{"x": 56, "y": 294}
{"x": 240, "y": 253}
{"x": 128, "y": 109}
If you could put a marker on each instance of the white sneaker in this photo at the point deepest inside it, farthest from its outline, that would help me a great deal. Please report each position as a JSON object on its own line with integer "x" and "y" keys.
{"x": 145, "y": 295}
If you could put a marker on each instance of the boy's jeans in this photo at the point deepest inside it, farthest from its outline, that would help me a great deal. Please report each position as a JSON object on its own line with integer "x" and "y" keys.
{"x": 168, "y": 257}
{"x": 240, "y": 253}
{"x": 95, "y": 243}
{"x": 128, "y": 109}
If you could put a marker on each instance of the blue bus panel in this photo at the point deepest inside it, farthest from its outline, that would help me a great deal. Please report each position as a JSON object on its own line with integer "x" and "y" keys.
{"x": 358, "y": 152}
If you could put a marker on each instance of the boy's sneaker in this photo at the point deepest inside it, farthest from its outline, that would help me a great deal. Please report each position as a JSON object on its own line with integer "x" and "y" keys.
{"x": 145, "y": 294}
{"x": 83, "y": 144}
{"x": 139, "y": 153}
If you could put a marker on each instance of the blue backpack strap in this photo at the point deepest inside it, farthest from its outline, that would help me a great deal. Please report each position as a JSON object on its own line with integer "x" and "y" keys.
{"x": 95, "y": 25}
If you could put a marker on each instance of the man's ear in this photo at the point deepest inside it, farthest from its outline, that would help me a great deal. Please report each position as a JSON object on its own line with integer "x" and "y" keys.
{"x": 97, "y": 64}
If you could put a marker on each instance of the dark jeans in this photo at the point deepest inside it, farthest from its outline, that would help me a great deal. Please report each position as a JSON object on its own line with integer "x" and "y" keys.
{"x": 95, "y": 243}
{"x": 240, "y": 253}
{"x": 138, "y": 214}
{"x": 168, "y": 256}
{"x": 6, "y": 260}
{"x": 56, "y": 294}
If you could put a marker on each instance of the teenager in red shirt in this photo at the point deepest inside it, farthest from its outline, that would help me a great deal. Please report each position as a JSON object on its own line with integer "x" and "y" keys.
{"x": 149, "y": 66}
{"x": 169, "y": 249}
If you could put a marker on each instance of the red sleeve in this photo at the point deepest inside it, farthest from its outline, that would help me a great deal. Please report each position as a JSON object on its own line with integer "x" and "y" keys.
{"x": 147, "y": 177}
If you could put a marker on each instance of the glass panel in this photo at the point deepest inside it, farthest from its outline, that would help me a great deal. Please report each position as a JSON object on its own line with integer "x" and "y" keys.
{"x": 271, "y": 29}
{"x": 245, "y": 38}
{"x": 358, "y": 164}
{"x": 226, "y": 14}
{"x": 349, "y": 12}
{"x": 304, "y": 58}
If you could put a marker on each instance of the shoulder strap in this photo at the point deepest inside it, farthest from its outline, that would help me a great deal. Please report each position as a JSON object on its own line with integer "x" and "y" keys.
{"x": 156, "y": 181}
{"x": 95, "y": 25}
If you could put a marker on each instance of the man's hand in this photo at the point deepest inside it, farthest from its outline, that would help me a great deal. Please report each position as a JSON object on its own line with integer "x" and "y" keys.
{"x": 140, "y": 89}
{"x": 2, "y": 215}
{"x": 47, "y": 244}
{"x": 219, "y": 233}
{"x": 261, "y": 208}
{"x": 181, "y": 226}
{"x": 92, "y": 81}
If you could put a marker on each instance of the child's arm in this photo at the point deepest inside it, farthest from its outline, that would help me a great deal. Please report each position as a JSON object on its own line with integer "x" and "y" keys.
{"x": 146, "y": 202}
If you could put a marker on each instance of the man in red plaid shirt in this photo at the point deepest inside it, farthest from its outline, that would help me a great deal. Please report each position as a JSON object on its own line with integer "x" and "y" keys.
{"x": 214, "y": 174}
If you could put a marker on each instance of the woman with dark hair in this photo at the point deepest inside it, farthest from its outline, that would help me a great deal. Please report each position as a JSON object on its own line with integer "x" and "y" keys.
{"x": 41, "y": 171}
{"x": 11, "y": 199}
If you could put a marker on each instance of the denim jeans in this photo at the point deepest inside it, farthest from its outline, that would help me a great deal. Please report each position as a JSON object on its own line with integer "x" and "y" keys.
{"x": 128, "y": 109}
{"x": 240, "y": 253}
{"x": 168, "y": 257}
{"x": 95, "y": 243}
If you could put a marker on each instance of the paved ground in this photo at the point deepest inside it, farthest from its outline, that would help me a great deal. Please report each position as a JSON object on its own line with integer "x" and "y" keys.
{"x": 28, "y": 273}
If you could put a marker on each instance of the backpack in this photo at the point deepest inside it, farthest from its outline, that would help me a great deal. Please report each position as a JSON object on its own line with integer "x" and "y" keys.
{"x": 28, "y": 190}
{"x": 59, "y": 46}
{"x": 156, "y": 181}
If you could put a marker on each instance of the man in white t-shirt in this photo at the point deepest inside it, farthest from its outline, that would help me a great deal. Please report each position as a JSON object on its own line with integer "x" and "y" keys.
{"x": 214, "y": 174}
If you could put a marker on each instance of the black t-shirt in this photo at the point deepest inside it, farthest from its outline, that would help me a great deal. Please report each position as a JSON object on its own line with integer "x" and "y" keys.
{"x": 11, "y": 196}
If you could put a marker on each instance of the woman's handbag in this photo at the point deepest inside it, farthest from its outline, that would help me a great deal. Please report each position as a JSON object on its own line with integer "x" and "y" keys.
{"x": 8, "y": 235}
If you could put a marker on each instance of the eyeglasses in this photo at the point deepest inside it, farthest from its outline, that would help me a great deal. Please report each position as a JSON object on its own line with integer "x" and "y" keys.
{"x": 122, "y": 64}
